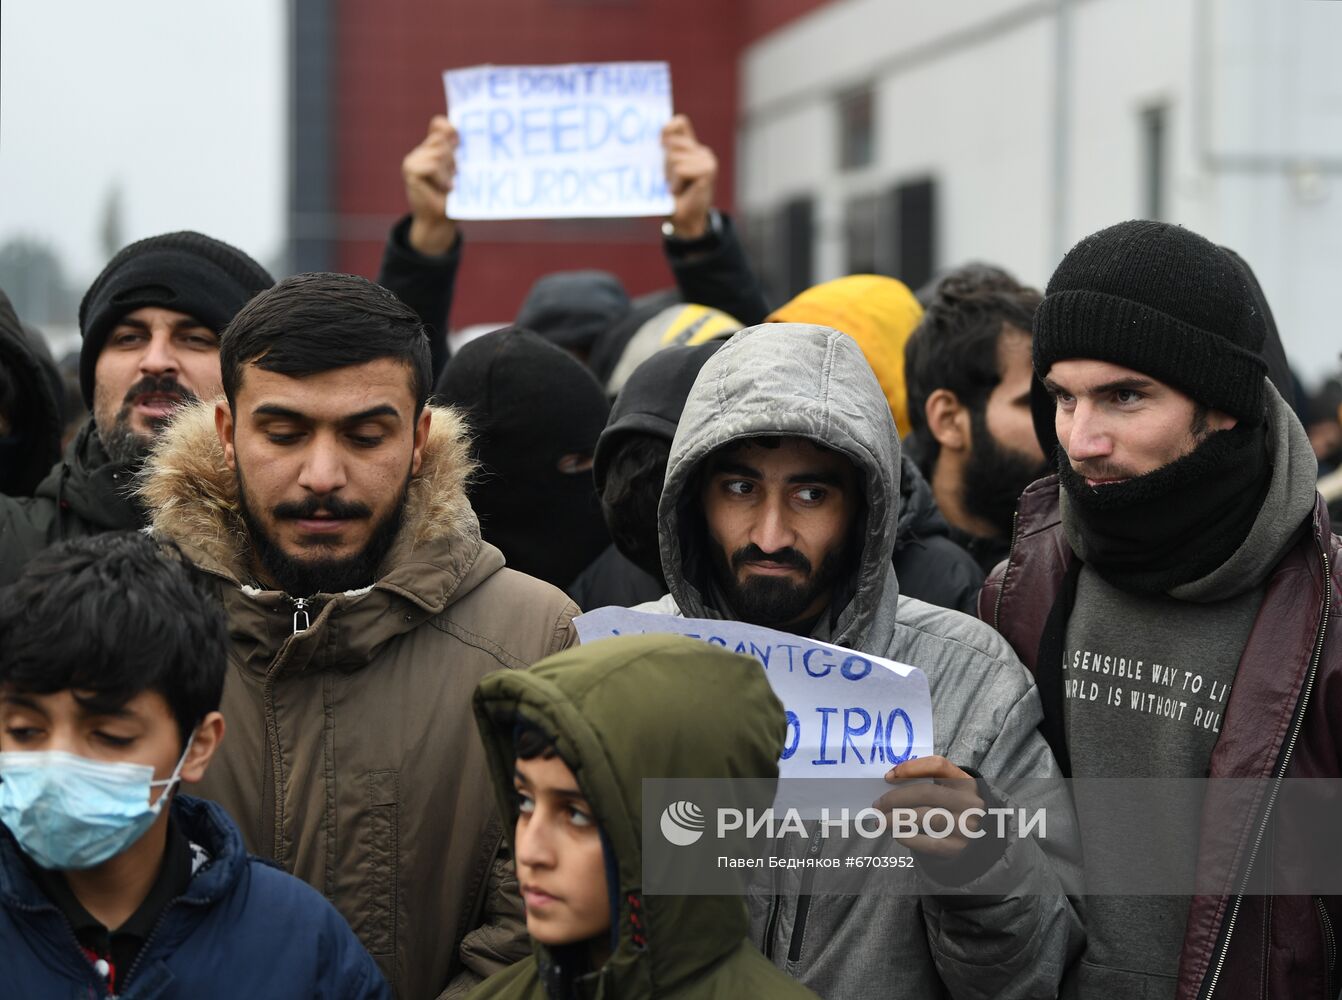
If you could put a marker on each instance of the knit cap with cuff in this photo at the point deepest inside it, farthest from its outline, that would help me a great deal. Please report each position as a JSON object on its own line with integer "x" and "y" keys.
{"x": 1161, "y": 300}
{"x": 185, "y": 271}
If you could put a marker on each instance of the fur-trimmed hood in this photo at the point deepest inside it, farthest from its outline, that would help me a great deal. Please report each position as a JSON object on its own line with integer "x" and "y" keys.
{"x": 438, "y": 557}
{"x": 192, "y": 496}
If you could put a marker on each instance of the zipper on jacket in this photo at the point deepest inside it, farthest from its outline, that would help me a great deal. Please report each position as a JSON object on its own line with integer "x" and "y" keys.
{"x": 1001, "y": 587}
{"x": 1296, "y": 726}
{"x": 1329, "y": 946}
{"x": 153, "y": 933}
{"x": 74, "y": 940}
{"x": 771, "y": 926}
{"x": 804, "y": 901}
{"x": 301, "y": 621}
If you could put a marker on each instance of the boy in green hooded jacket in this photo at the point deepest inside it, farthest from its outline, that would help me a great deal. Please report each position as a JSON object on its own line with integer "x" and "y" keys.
{"x": 569, "y": 743}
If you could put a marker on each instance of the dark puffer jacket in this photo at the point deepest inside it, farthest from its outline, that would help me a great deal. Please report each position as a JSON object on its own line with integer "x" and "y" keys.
{"x": 242, "y": 929}
{"x": 86, "y": 493}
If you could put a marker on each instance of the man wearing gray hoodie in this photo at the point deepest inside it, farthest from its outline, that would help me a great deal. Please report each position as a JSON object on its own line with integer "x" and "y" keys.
{"x": 780, "y": 509}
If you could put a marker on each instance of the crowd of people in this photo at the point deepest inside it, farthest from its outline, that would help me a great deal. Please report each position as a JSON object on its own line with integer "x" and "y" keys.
{"x": 292, "y": 701}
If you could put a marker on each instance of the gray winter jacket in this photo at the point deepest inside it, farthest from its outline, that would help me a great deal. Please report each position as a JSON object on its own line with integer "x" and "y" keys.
{"x": 793, "y": 380}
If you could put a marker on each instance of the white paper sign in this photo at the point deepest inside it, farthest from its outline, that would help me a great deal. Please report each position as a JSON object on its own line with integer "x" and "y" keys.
{"x": 554, "y": 142}
{"x": 849, "y": 715}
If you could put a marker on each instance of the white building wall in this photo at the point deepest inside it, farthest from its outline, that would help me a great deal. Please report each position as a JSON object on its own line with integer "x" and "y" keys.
{"x": 965, "y": 92}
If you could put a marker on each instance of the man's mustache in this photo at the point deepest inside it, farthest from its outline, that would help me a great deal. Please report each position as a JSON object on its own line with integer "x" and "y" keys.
{"x": 332, "y": 506}
{"x": 783, "y": 557}
{"x": 1088, "y": 469}
{"x": 160, "y": 385}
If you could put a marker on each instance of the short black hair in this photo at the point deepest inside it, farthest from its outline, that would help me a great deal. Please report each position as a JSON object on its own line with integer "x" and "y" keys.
{"x": 318, "y": 322}
{"x": 955, "y": 345}
{"x": 630, "y": 494}
{"x": 116, "y": 615}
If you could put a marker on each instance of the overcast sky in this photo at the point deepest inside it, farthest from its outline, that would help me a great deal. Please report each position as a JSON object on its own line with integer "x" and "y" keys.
{"x": 181, "y": 104}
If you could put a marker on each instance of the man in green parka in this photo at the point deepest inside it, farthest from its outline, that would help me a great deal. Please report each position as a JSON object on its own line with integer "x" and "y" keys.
{"x": 569, "y": 743}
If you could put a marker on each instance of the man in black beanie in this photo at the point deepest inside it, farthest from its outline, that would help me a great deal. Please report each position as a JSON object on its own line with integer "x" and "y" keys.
{"x": 150, "y": 324}
{"x": 1170, "y": 588}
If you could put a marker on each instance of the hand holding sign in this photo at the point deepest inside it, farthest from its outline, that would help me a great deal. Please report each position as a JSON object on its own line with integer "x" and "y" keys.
{"x": 429, "y": 171}
{"x": 554, "y": 142}
{"x": 691, "y": 172}
{"x": 943, "y": 786}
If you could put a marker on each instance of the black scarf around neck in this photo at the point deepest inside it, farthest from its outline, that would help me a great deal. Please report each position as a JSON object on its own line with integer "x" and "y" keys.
{"x": 1152, "y": 533}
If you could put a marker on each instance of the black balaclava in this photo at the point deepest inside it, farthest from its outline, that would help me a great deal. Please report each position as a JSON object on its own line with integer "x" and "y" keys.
{"x": 649, "y": 406}
{"x": 530, "y": 404}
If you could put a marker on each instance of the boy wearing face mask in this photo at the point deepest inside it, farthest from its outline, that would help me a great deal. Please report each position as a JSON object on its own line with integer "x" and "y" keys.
{"x": 112, "y": 664}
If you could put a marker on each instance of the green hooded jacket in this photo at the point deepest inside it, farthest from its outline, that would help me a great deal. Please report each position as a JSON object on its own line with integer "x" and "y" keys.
{"x": 621, "y": 710}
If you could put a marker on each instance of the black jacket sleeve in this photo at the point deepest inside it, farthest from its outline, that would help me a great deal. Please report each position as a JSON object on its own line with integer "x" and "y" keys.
{"x": 938, "y": 571}
{"x": 423, "y": 283}
{"x": 714, "y": 271}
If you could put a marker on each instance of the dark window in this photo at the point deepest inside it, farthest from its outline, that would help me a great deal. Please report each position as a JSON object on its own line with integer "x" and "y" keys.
{"x": 870, "y": 229}
{"x": 1155, "y": 135}
{"x": 780, "y": 244}
{"x": 893, "y": 233}
{"x": 798, "y": 238}
{"x": 857, "y": 129}
{"x": 915, "y": 222}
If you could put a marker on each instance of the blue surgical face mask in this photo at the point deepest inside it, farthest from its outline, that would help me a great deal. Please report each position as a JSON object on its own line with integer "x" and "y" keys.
{"x": 70, "y": 812}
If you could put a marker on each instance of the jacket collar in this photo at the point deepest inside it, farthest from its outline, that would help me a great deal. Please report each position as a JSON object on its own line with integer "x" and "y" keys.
{"x": 87, "y": 482}
{"x": 203, "y": 823}
{"x": 437, "y": 557}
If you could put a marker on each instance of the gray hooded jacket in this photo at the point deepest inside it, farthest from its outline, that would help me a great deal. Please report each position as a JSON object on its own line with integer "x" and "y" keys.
{"x": 812, "y": 382}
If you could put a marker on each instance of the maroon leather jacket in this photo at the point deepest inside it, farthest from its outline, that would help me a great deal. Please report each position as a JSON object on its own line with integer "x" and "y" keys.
{"x": 1284, "y": 720}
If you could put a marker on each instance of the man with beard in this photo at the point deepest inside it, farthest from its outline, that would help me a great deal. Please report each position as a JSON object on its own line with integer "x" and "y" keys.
{"x": 328, "y": 502}
{"x": 780, "y": 509}
{"x": 150, "y": 324}
{"x": 1181, "y": 540}
{"x": 968, "y": 373}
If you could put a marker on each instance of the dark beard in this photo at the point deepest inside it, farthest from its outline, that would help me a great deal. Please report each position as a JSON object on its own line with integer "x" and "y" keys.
{"x": 305, "y": 577}
{"x": 995, "y": 477}
{"x": 123, "y": 445}
{"x": 773, "y": 601}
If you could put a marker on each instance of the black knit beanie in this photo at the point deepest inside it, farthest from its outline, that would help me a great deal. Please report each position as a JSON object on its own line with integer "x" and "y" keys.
{"x": 188, "y": 272}
{"x": 1163, "y": 301}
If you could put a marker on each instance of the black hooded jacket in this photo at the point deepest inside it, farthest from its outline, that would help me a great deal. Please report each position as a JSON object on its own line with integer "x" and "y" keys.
{"x": 33, "y": 441}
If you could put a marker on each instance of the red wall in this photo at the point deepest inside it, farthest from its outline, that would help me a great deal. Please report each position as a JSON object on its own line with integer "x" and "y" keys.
{"x": 389, "y": 60}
